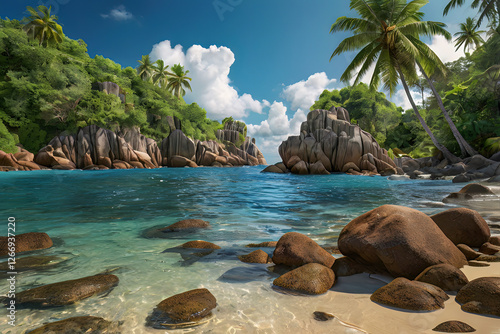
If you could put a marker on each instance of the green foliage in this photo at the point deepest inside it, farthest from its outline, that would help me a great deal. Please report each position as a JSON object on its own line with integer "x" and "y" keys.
{"x": 7, "y": 141}
{"x": 491, "y": 146}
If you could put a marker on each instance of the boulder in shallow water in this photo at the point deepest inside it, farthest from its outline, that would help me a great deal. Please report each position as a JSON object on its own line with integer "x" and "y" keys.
{"x": 67, "y": 292}
{"x": 481, "y": 296}
{"x": 445, "y": 276}
{"x": 463, "y": 226}
{"x": 345, "y": 266}
{"x": 186, "y": 224}
{"x": 32, "y": 262}
{"x": 84, "y": 324}
{"x": 311, "y": 278}
{"x": 295, "y": 249}
{"x": 468, "y": 192}
{"x": 199, "y": 244}
{"x": 272, "y": 169}
{"x": 397, "y": 239}
{"x": 410, "y": 295}
{"x": 263, "y": 244}
{"x": 453, "y": 326}
{"x": 182, "y": 310}
{"x": 257, "y": 256}
{"x": 26, "y": 242}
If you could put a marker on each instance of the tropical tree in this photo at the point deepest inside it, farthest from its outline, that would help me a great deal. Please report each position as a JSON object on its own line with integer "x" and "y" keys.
{"x": 146, "y": 68}
{"x": 41, "y": 25}
{"x": 387, "y": 32}
{"x": 160, "y": 74}
{"x": 468, "y": 35}
{"x": 178, "y": 80}
{"x": 487, "y": 9}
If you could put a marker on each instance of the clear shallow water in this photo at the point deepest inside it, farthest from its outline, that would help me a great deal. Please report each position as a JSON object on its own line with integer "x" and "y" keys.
{"x": 96, "y": 219}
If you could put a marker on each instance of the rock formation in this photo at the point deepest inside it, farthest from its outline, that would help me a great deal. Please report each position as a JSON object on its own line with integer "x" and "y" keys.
{"x": 328, "y": 142}
{"x": 97, "y": 148}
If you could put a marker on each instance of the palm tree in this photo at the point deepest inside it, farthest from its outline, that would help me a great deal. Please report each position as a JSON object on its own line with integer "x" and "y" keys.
{"x": 146, "y": 68}
{"x": 387, "y": 33}
{"x": 42, "y": 26}
{"x": 178, "y": 80}
{"x": 487, "y": 8}
{"x": 468, "y": 35}
{"x": 160, "y": 74}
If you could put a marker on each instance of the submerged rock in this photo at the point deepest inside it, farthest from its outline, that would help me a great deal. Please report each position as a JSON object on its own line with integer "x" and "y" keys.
{"x": 199, "y": 244}
{"x": 410, "y": 295}
{"x": 186, "y": 224}
{"x": 32, "y": 262}
{"x": 311, "y": 278}
{"x": 67, "y": 292}
{"x": 397, "y": 239}
{"x": 463, "y": 226}
{"x": 295, "y": 249}
{"x": 270, "y": 244}
{"x": 257, "y": 256}
{"x": 453, "y": 326}
{"x": 323, "y": 316}
{"x": 468, "y": 192}
{"x": 445, "y": 276}
{"x": 26, "y": 242}
{"x": 185, "y": 309}
{"x": 481, "y": 296}
{"x": 84, "y": 324}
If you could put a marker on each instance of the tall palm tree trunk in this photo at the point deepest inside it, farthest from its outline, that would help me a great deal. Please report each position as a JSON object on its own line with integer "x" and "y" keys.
{"x": 447, "y": 154}
{"x": 465, "y": 148}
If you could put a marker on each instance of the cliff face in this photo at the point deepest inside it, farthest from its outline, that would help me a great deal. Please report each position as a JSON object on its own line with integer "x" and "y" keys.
{"x": 97, "y": 148}
{"x": 328, "y": 142}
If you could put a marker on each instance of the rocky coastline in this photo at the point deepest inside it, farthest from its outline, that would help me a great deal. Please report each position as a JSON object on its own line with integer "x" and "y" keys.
{"x": 97, "y": 148}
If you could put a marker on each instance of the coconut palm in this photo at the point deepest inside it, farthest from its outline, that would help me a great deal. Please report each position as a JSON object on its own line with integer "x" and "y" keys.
{"x": 146, "y": 68}
{"x": 468, "y": 35}
{"x": 387, "y": 32}
{"x": 178, "y": 80}
{"x": 487, "y": 9}
{"x": 41, "y": 25}
{"x": 160, "y": 74}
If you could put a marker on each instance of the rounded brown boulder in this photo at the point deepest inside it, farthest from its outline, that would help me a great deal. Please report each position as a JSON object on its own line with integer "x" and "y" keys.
{"x": 257, "y": 256}
{"x": 463, "y": 226}
{"x": 186, "y": 224}
{"x": 453, "y": 326}
{"x": 410, "y": 295}
{"x": 445, "y": 276}
{"x": 295, "y": 249}
{"x": 481, "y": 296}
{"x": 311, "y": 278}
{"x": 182, "y": 310}
{"x": 397, "y": 239}
{"x": 199, "y": 244}
{"x": 84, "y": 324}
{"x": 469, "y": 253}
{"x": 489, "y": 249}
{"x": 67, "y": 292}
{"x": 26, "y": 242}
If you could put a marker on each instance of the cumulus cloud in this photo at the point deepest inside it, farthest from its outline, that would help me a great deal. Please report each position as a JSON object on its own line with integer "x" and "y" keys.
{"x": 119, "y": 13}
{"x": 401, "y": 99}
{"x": 445, "y": 50}
{"x": 209, "y": 68}
{"x": 304, "y": 93}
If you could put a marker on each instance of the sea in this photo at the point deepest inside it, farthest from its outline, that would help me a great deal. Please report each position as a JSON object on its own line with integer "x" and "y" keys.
{"x": 98, "y": 219}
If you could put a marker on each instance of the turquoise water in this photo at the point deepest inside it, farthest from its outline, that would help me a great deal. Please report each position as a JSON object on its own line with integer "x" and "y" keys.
{"x": 96, "y": 219}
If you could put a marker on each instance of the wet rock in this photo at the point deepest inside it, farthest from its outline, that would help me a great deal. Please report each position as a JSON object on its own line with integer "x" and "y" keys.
{"x": 489, "y": 249}
{"x": 264, "y": 244}
{"x": 345, "y": 266}
{"x": 410, "y": 295}
{"x": 67, "y": 292}
{"x": 400, "y": 240}
{"x": 469, "y": 253}
{"x": 463, "y": 226}
{"x": 257, "y": 256}
{"x": 84, "y": 324}
{"x": 182, "y": 310}
{"x": 31, "y": 262}
{"x": 488, "y": 258}
{"x": 469, "y": 192}
{"x": 272, "y": 169}
{"x": 453, "y": 326}
{"x": 199, "y": 244}
{"x": 445, "y": 276}
{"x": 478, "y": 264}
{"x": 295, "y": 249}
{"x": 186, "y": 224}
{"x": 300, "y": 168}
{"x": 495, "y": 240}
{"x": 481, "y": 296}
{"x": 323, "y": 316}
{"x": 26, "y": 242}
{"x": 311, "y": 278}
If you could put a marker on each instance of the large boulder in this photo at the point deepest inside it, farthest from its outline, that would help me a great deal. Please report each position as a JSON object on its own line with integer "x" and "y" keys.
{"x": 311, "y": 278}
{"x": 182, "y": 310}
{"x": 463, "y": 226}
{"x": 400, "y": 240}
{"x": 445, "y": 276}
{"x": 410, "y": 295}
{"x": 67, "y": 292}
{"x": 26, "y": 242}
{"x": 83, "y": 324}
{"x": 295, "y": 249}
{"x": 481, "y": 296}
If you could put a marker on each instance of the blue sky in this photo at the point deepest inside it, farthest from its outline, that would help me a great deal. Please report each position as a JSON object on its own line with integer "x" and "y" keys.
{"x": 261, "y": 61}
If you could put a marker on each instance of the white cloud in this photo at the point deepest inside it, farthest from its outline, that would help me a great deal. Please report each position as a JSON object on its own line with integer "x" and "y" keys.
{"x": 303, "y": 94}
{"x": 119, "y": 13}
{"x": 209, "y": 68}
{"x": 401, "y": 99}
{"x": 445, "y": 50}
